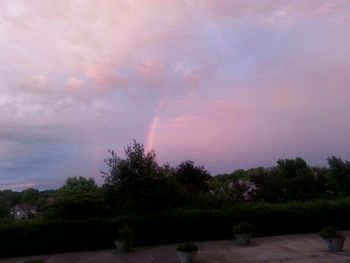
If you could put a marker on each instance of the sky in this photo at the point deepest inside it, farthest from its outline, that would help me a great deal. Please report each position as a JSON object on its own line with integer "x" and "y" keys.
{"x": 227, "y": 84}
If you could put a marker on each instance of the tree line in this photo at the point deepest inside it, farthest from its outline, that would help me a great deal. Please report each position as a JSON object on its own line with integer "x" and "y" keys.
{"x": 136, "y": 184}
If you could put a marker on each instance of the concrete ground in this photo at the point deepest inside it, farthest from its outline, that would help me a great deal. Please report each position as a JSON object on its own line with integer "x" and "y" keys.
{"x": 289, "y": 248}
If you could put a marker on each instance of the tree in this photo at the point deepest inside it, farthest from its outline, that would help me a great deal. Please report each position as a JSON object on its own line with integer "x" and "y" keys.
{"x": 79, "y": 197}
{"x": 12, "y": 197}
{"x": 292, "y": 179}
{"x": 137, "y": 184}
{"x": 268, "y": 183}
{"x": 299, "y": 180}
{"x": 78, "y": 185}
{"x": 30, "y": 195}
{"x": 292, "y": 168}
{"x": 4, "y": 208}
{"x": 340, "y": 175}
{"x": 134, "y": 172}
{"x": 324, "y": 188}
{"x": 193, "y": 178}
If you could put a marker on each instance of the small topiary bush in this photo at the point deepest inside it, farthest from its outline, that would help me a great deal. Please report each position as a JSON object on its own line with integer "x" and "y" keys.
{"x": 187, "y": 247}
{"x": 330, "y": 232}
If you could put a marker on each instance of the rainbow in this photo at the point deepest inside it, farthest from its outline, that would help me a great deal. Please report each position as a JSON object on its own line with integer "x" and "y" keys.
{"x": 153, "y": 128}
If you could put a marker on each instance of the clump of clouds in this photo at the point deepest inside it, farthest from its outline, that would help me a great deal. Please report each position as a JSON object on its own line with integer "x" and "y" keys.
{"x": 250, "y": 78}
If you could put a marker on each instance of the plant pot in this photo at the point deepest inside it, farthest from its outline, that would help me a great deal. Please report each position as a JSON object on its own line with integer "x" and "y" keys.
{"x": 334, "y": 244}
{"x": 122, "y": 246}
{"x": 186, "y": 257}
{"x": 243, "y": 239}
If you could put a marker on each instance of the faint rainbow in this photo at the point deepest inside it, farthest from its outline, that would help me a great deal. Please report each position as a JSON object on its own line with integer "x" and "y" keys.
{"x": 152, "y": 129}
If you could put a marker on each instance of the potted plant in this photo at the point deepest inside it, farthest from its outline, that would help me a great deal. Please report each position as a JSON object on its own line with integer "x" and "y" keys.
{"x": 187, "y": 252}
{"x": 243, "y": 232}
{"x": 333, "y": 239}
{"x": 125, "y": 239}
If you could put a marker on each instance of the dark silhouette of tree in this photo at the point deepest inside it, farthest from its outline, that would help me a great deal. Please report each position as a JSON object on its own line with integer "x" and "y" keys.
{"x": 12, "y": 197}
{"x": 193, "y": 178}
{"x": 79, "y": 197}
{"x": 30, "y": 195}
{"x": 292, "y": 168}
{"x": 269, "y": 185}
{"x": 78, "y": 185}
{"x": 137, "y": 184}
{"x": 340, "y": 175}
{"x": 4, "y": 208}
{"x": 133, "y": 172}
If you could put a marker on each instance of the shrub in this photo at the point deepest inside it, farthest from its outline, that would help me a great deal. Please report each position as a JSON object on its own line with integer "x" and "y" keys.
{"x": 330, "y": 232}
{"x": 38, "y": 236}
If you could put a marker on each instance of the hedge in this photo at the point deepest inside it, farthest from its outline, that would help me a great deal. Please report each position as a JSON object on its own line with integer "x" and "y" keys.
{"x": 29, "y": 237}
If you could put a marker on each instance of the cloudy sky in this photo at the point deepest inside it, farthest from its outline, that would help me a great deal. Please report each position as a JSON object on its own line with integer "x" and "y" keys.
{"x": 228, "y": 84}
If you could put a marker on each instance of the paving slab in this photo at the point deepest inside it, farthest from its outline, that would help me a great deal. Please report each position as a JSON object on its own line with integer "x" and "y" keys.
{"x": 307, "y": 248}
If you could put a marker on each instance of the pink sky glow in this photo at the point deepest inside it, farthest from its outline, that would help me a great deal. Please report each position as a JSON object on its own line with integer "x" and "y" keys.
{"x": 228, "y": 84}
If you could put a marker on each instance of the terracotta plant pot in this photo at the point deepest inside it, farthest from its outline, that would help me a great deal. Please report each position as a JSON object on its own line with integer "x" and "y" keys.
{"x": 122, "y": 246}
{"x": 242, "y": 232}
{"x": 243, "y": 239}
{"x": 187, "y": 257}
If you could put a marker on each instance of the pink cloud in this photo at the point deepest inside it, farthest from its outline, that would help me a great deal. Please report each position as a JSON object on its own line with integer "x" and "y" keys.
{"x": 21, "y": 187}
{"x": 152, "y": 73}
{"x": 236, "y": 82}
{"x": 36, "y": 83}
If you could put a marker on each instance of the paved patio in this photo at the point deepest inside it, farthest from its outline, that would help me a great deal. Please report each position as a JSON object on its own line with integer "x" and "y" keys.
{"x": 290, "y": 248}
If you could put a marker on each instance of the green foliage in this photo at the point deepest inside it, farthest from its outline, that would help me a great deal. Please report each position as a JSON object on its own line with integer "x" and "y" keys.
{"x": 4, "y": 208}
{"x": 269, "y": 185}
{"x": 41, "y": 237}
{"x": 241, "y": 174}
{"x": 137, "y": 184}
{"x": 170, "y": 205}
{"x": 78, "y": 185}
{"x": 340, "y": 175}
{"x": 193, "y": 178}
{"x": 76, "y": 207}
{"x": 330, "y": 232}
{"x": 133, "y": 171}
{"x": 77, "y": 198}
{"x": 292, "y": 180}
{"x": 11, "y": 197}
{"x": 30, "y": 195}
{"x": 242, "y": 228}
{"x": 291, "y": 168}
{"x": 187, "y": 247}
{"x": 297, "y": 179}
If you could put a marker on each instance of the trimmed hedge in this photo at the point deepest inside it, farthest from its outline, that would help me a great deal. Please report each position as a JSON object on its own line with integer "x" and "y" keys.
{"x": 29, "y": 237}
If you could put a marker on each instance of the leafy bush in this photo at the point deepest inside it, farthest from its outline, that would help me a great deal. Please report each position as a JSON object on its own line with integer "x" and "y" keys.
{"x": 187, "y": 247}
{"x": 330, "y": 232}
{"x": 242, "y": 228}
